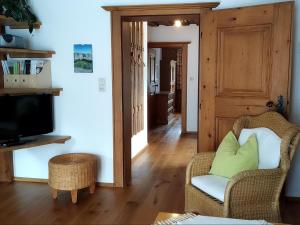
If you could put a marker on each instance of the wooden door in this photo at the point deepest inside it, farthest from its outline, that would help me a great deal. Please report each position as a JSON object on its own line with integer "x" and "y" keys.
{"x": 245, "y": 58}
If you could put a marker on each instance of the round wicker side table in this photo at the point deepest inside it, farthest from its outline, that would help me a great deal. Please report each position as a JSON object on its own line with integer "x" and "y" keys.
{"x": 71, "y": 172}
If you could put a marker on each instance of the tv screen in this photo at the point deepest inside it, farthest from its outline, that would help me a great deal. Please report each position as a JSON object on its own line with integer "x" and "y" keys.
{"x": 26, "y": 115}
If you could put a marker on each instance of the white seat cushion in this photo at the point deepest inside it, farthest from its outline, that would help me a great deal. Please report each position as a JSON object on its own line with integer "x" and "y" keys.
{"x": 213, "y": 185}
{"x": 268, "y": 146}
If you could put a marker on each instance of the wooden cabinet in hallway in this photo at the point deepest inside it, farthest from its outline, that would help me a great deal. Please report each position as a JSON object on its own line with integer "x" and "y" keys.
{"x": 163, "y": 107}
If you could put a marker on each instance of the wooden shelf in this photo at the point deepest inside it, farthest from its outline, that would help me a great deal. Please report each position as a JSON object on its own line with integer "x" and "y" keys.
{"x": 38, "y": 141}
{"x": 8, "y": 21}
{"x": 26, "y": 53}
{"x": 25, "y": 91}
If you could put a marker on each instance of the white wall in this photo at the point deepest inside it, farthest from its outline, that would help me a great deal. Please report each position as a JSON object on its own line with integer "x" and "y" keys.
{"x": 140, "y": 140}
{"x": 82, "y": 111}
{"x": 184, "y": 33}
{"x": 293, "y": 188}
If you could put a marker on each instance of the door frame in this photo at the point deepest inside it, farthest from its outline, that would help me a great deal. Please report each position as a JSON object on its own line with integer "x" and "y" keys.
{"x": 184, "y": 47}
{"x": 118, "y": 13}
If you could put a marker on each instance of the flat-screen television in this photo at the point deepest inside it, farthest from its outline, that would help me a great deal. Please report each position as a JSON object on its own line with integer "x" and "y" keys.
{"x": 24, "y": 116}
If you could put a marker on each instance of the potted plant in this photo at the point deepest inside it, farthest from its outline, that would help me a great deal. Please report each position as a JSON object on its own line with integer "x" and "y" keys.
{"x": 19, "y": 10}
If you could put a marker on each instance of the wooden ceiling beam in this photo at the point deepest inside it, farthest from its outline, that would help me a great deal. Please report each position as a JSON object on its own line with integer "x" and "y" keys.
{"x": 170, "y": 23}
{"x": 164, "y": 20}
{"x": 193, "y": 18}
{"x": 153, "y": 24}
{"x": 168, "y": 44}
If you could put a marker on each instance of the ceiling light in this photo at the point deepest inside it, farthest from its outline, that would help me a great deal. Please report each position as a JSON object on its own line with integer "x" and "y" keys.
{"x": 178, "y": 23}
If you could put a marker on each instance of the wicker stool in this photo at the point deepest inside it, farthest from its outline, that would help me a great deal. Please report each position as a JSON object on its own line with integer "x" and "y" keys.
{"x": 71, "y": 172}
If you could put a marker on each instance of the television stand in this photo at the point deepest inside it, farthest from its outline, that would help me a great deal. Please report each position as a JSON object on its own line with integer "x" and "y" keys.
{"x": 6, "y": 159}
{"x": 12, "y": 143}
{"x": 16, "y": 142}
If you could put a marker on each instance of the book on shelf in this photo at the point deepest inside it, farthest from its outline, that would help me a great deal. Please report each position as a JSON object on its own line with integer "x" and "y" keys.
{"x": 22, "y": 67}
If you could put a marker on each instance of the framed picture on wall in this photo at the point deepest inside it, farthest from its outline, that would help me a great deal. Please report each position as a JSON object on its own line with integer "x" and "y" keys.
{"x": 83, "y": 58}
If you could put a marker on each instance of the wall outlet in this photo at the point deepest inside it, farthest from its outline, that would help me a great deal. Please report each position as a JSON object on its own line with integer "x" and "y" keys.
{"x": 102, "y": 84}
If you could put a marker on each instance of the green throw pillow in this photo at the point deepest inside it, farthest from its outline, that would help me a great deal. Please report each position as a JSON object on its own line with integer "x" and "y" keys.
{"x": 231, "y": 158}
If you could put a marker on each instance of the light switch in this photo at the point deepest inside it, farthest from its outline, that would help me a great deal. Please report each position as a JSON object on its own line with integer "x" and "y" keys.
{"x": 102, "y": 84}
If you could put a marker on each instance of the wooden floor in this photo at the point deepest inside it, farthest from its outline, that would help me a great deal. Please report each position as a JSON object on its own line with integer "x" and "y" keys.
{"x": 158, "y": 185}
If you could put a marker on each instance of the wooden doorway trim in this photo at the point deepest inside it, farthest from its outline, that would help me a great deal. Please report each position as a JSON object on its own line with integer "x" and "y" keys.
{"x": 184, "y": 47}
{"x": 117, "y": 14}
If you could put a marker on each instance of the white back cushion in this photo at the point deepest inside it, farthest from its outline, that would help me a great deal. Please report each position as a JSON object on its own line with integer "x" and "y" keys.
{"x": 213, "y": 185}
{"x": 268, "y": 146}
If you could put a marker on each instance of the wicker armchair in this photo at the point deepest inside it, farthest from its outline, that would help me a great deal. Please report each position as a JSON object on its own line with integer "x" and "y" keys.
{"x": 250, "y": 194}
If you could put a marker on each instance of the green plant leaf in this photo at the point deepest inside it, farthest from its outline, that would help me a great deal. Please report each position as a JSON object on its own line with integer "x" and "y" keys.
{"x": 20, "y": 10}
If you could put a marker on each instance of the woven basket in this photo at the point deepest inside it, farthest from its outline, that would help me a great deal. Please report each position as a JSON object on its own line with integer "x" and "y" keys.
{"x": 72, "y": 171}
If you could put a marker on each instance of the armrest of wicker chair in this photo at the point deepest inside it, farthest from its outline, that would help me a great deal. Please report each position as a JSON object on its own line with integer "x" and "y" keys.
{"x": 199, "y": 165}
{"x": 255, "y": 188}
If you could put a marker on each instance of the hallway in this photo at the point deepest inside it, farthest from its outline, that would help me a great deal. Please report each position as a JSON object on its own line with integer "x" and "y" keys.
{"x": 159, "y": 172}
{"x": 157, "y": 185}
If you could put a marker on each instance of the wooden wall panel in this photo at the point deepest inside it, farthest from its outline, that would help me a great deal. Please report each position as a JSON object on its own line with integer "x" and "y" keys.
{"x": 132, "y": 57}
{"x": 127, "y": 102}
{"x": 137, "y": 74}
{"x": 133, "y": 86}
{"x": 137, "y": 78}
{"x": 141, "y": 78}
{"x": 142, "y": 65}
